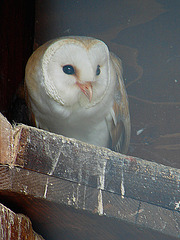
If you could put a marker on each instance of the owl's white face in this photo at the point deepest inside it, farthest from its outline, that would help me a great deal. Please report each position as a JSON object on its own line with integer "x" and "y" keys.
{"x": 76, "y": 71}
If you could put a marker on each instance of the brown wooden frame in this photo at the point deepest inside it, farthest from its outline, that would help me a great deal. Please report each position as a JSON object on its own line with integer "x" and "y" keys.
{"x": 72, "y": 189}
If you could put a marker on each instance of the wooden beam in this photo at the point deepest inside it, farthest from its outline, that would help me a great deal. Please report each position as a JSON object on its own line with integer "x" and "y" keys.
{"x": 16, "y": 226}
{"x": 86, "y": 182}
{"x": 97, "y": 167}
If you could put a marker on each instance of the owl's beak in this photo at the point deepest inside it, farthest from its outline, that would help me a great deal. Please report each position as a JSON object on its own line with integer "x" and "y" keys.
{"x": 86, "y": 88}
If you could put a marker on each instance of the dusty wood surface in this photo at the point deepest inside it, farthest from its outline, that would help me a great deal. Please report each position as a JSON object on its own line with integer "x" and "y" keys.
{"x": 70, "y": 211}
{"x": 64, "y": 185}
{"x": 97, "y": 167}
{"x": 6, "y": 141}
{"x": 15, "y": 226}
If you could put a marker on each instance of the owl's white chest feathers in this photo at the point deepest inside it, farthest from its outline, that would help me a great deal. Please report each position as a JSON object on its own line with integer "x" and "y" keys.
{"x": 87, "y": 124}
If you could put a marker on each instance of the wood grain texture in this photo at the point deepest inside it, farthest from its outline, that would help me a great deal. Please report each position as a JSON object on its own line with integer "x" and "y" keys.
{"x": 71, "y": 211}
{"x": 16, "y": 226}
{"x": 98, "y": 167}
{"x": 64, "y": 184}
{"x": 5, "y": 141}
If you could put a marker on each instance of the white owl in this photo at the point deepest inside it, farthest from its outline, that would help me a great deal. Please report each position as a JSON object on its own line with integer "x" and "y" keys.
{"x": 74, "y": 87}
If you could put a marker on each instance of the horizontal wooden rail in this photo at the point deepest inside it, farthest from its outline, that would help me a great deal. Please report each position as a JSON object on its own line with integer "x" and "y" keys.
{"x": 65, "y": 171}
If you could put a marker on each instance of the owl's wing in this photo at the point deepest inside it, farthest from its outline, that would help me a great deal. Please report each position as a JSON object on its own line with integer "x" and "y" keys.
{"x": 120, "y": 128}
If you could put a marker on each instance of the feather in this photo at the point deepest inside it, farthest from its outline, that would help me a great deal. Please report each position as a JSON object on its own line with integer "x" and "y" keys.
{"x": 120, "y": 127}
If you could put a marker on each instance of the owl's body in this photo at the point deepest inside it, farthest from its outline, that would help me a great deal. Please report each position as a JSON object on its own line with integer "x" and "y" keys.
{"x": 75, "y": 88}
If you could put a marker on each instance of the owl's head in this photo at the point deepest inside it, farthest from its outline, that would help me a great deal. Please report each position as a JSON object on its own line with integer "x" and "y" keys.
{"x": 75, "y": 70}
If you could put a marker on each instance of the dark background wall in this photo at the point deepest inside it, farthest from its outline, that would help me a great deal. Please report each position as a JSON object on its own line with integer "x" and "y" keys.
{"x": 16, "y": 43}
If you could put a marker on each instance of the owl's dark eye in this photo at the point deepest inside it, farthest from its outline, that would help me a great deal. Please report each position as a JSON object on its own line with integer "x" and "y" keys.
{"x": 68, "y": 69}
{"x": 98, "y": 70}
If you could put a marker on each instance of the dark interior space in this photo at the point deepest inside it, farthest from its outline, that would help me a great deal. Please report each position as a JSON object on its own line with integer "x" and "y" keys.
{"x": 17, "y": 37}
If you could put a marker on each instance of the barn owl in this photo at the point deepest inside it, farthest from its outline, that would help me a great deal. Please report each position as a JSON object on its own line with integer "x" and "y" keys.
{"x": 74, "y": 87}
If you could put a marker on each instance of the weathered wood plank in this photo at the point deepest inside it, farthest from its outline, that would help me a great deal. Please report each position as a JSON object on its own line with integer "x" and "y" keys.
{"x": 15, "y": 226}
{"x": 5, "y": 141}
{"x": 56, "y": 205}
{"x": 98, "y": 167}
{"x": 66, "y": 174}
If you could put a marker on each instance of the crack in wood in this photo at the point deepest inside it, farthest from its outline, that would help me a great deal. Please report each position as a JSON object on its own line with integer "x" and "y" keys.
{"x": 137, "y": 214}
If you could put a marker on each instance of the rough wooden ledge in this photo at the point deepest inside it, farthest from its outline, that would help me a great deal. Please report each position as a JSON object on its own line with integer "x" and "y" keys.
{"x": 15, "y": 226}
{"x": 72, "y": 183}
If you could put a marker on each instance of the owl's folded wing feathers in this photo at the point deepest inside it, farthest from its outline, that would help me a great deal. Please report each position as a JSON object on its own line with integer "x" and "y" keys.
{"x": 119, "y": 126}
